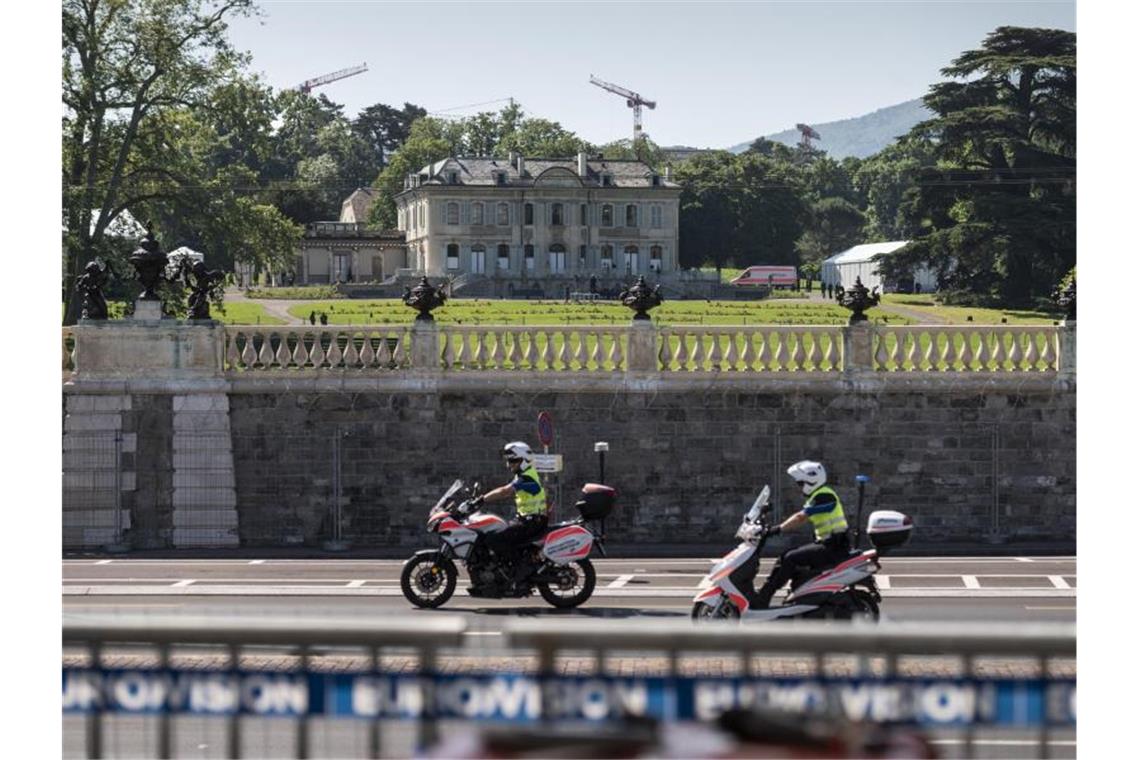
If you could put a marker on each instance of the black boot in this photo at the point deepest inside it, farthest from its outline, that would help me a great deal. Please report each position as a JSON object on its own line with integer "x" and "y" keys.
{"x": 762, "y": 598}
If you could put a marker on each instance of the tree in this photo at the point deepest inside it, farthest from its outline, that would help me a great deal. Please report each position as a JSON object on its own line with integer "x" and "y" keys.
{"x": 834, "y": 225}
{"x": 429, "y": 140}
{"x": 385, "y": 128}
{"x": 126, "y": 65}
{"x": 997, "y": 215}
{"x": 882, "y": 182}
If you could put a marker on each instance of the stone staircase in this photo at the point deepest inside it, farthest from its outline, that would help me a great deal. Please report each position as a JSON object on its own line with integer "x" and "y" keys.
{"x": 204, "y": 497}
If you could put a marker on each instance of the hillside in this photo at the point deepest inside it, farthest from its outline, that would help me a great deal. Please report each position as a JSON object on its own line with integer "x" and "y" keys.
{"x": 861, "y": 136}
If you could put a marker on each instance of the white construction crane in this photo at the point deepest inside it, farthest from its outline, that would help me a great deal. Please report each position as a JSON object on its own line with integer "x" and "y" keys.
{"x": 632, "y": 99}
{"x": 308, "y": 85}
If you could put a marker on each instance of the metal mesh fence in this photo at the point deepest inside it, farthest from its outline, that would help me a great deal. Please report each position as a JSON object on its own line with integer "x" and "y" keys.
{"x": 95, "y": 480}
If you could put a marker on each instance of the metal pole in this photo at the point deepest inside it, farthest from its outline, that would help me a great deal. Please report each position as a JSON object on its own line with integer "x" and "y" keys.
{"x": 336, "y": 541}
{"x": 427, "y": 727}
{"x": 164, "y": 716}
{"x": 95, "y": 717}
{"x": 233, "y": 726}
{"x": 303, "y": 721}
{"x": 374, "y": 744}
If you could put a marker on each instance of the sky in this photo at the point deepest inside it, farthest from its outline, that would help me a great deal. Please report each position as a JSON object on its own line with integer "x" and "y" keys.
{"x": 721, "y": 73}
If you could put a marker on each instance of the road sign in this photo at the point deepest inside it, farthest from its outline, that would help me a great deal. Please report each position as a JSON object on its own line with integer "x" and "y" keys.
{"x": 548, "y": 462}
{"x": 545, "y": 428}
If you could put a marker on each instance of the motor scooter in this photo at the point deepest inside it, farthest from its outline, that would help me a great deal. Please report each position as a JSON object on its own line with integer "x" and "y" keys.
{"x": 843, "y": 592}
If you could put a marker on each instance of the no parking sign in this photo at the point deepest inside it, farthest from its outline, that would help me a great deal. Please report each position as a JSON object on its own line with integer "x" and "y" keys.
{"x": 545, "y": 429}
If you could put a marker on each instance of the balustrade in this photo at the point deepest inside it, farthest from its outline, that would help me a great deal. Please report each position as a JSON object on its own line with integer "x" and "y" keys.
{"x": 687, "y": 348}
{"x": 558, "y": 349}
{"x": 347, "y": 348}
{"x": 668, "y": 350}
{"x": 960, "y": 348}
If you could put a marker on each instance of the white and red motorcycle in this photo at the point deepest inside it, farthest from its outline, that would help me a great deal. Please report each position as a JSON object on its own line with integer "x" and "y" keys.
{"x": 846, "y": 591}
{"x": 562, "y": 570}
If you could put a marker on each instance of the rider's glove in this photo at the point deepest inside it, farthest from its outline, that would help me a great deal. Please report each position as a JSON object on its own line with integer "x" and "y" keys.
{"x": 773, "y": 531}
{"x": 476, "y": 502}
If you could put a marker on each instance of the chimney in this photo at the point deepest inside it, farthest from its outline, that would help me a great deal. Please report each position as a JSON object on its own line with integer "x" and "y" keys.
{"x": 582, "y": 170}
{"x": 668, "y": 173}
{"x": 512, "y": 158}
{"x": 522, "y": 166}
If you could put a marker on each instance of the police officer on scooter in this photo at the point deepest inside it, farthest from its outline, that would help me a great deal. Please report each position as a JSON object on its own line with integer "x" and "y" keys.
{"x": 825, "y": 513}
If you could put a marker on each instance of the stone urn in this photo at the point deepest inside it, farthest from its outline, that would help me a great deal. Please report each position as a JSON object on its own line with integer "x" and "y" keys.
{"x": 641, "y": 298}
{"x": 149, "y": 262}
{"x": 858, "y": 299}
{"x": 423, "y": 298}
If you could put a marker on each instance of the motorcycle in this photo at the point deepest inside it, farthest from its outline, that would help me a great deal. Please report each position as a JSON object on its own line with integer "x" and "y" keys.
{"x": 562, "y": 572}
{"x": 843, "y": 592}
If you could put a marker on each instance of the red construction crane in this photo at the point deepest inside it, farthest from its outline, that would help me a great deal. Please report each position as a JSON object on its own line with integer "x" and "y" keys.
{"x": 807, "y": 134}
{"x": 308, "y": 85}
{"x": 632, "y": 99}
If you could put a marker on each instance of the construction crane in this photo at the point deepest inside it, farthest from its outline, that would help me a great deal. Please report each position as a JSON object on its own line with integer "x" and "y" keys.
{"x": 308, "y": 85}
{"x": 807, "y": 134}
{"x": 632, "y": 99}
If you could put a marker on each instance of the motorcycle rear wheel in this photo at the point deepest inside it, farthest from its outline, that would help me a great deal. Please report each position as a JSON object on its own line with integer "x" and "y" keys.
{"x": 866, "y": 608}
{"x": 579, "y": 575}
{"x": 725, "y": 610}
{"x": 428, "y": 580}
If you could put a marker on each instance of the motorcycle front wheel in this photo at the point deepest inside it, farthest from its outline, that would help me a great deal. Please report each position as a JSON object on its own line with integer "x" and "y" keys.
{"x": 428, "y": 580}
{"x": 574, "y": 585}
{"x": 722, "y": 610}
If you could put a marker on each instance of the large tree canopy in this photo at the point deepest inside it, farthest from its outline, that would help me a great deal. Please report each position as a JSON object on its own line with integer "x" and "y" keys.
{"x": 996, "y": 215}
{"x": 131, "y": 70}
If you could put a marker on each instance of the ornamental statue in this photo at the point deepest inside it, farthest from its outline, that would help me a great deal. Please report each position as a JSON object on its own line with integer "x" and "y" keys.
{"x": 90, "y": 284}
{"x": 641, "y": 298}
{"x": 1067, "y": 300}
{"x": 203, "y": 286}
{"x": 149, "y": 262}
{"x": 858, "y": 299}
{"x": 424, "y": 298}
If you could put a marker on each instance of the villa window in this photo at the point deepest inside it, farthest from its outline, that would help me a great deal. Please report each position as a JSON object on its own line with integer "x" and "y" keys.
{"x": 476, "y": 213}
{"x": 500, "y": 178}
{"x": 504, "y": 256}
{"x": 630, "y": 215}
{"x": 453, "y": 213}
{"x": 607, "y": 215}
{"x": 582, "y": 215}
{"x": 655, "y": 258}
{"x": 581, "y": 257}
{"x": 631, "y": 260}
{"x": 556, "y": 259}
{"x": 453, "y": 178}
{"x": 452, "y": 256}
{"x": 607, "y": 259}
{"x": 528, "y": 213}
{"x": 556, "y": 215}
{"x": 655, "y": 216}
{"x": 528, "y": 257}
{"x": 503, "y": 215}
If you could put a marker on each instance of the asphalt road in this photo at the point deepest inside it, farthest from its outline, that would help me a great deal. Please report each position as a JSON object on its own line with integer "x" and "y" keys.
{"x": 999, "y": 589}
{"x": 926, "y": 588}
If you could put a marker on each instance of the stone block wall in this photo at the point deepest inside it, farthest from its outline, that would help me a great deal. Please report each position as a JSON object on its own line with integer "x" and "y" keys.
{"x": 966, "y": 466}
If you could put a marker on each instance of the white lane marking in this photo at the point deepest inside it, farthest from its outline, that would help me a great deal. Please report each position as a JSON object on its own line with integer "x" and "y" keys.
{"x": 1059, "y": 582}
{"x": 181, "y": 584}
{"x": 104, "y": 562}
{"x": 639, "y": 570}
{"x": 1006, "y": 742}
{"x": 355, "y": 584}
{"x": 257, "y": 562}
{"x": 1022, "y": 559}
{"x": 620, "y": 581}
{"x": 971, "y": 582}
{"x": 624, "y": 593}
{"x": 482, "y": 633}
{"x": 1068, "y": 608}
{"x": 883, "y": 581}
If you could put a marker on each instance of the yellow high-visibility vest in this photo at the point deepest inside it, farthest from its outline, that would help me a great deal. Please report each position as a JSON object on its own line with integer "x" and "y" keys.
{"x": 528, "y": 503}
{"x": 829, "y": 522}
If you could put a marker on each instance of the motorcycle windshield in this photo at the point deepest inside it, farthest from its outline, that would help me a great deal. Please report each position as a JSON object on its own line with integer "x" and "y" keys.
{"x": 450, "y": 492}
{"x": 757, "y": 505}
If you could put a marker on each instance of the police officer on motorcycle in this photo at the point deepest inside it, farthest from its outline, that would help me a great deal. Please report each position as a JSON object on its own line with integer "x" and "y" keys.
{"x": 825, "y": 513}
{"x": 530, "y": 517}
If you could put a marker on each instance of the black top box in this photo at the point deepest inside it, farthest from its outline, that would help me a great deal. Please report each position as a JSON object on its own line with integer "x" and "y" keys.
{"x": 597, "y": 501}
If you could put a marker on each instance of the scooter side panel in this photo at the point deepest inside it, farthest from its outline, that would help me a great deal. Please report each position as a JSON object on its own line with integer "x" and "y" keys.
{"x": 775, "y": 613}
{"x": 484, "y": 522}
{"x": 567, "y": 544}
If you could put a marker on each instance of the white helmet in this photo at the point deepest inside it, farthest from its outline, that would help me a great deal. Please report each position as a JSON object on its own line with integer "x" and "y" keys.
{"x": 808, "y": 475}
{"x": 517, "y": 450}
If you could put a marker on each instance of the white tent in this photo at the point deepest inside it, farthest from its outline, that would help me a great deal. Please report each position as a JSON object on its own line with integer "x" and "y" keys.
{"x": 183, "y": 251}
{"x": 842, "y": 268}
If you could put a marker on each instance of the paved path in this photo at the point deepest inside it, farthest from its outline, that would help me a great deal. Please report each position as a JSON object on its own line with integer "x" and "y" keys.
{"x": 275, "y": 306}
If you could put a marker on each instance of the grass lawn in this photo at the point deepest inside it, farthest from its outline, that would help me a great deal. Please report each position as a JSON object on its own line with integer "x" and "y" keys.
{"x": 504, "y": 312}
{"x": 246, "y": 313}
{"x": 957, "y": 314}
